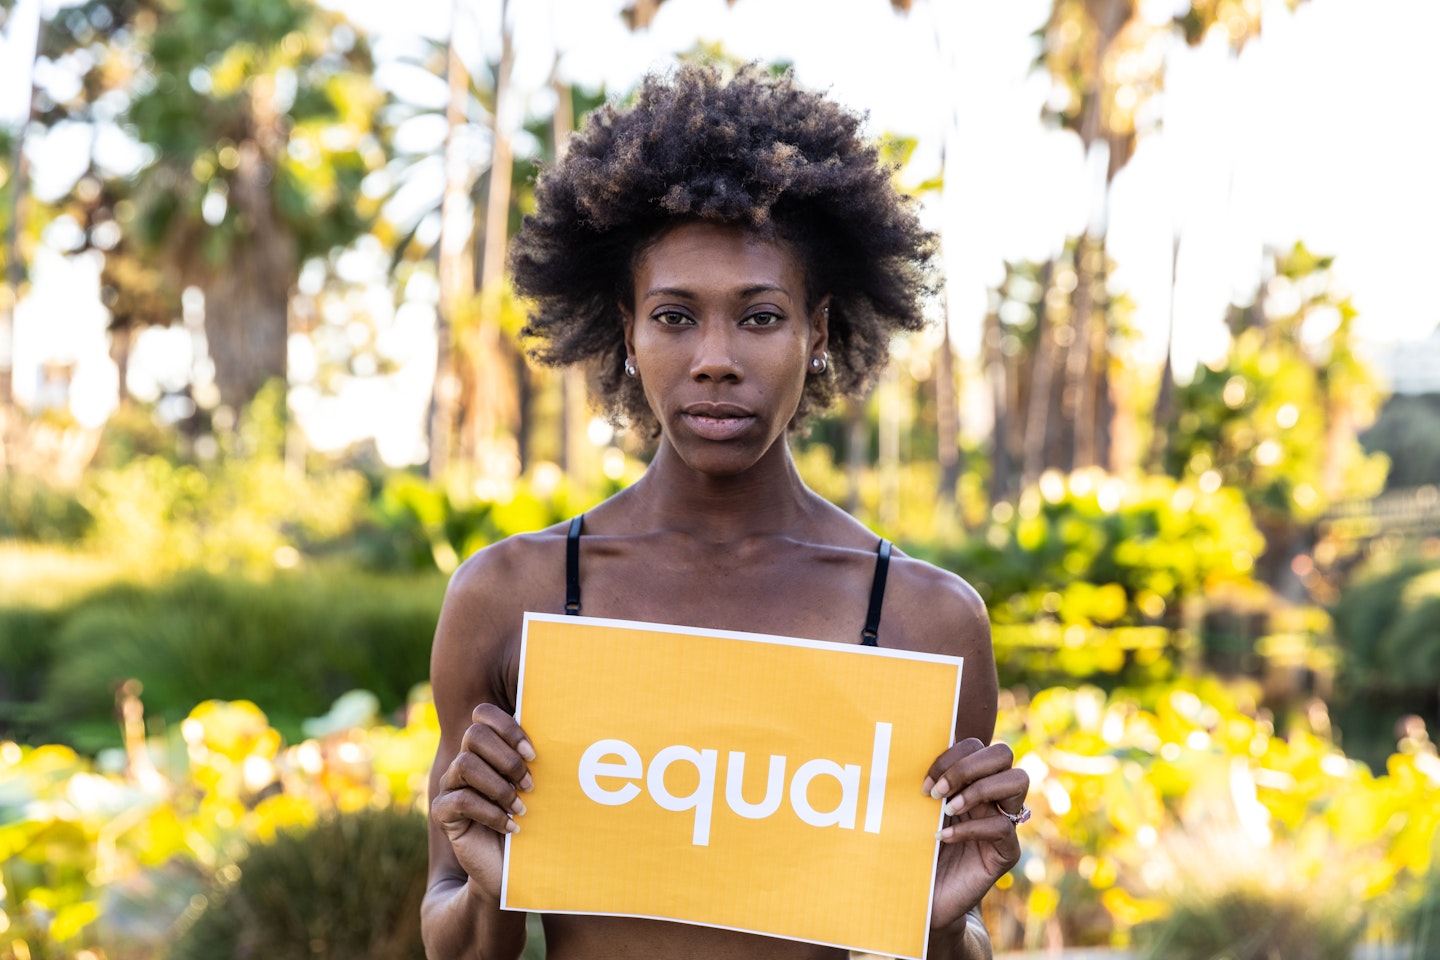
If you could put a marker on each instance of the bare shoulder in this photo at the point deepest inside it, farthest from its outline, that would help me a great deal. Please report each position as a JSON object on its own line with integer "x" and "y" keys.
{"x": 477, "y": 638}
{"x": 938, "y": 611}
{"x": 934, "y": 611}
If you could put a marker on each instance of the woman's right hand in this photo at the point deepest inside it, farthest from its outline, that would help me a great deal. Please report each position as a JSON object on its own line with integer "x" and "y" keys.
{"x": 479, "y": 795}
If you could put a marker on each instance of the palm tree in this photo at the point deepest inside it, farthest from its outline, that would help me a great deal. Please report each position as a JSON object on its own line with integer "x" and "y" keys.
{"x": 260, "y": 115}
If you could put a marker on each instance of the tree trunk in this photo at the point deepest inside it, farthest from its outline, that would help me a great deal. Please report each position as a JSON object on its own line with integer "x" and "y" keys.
{"x": 456, "y": 278}
{"x": 1165, "y": 400}
{"x": 1042, "y": 377}
{"x": 890, "y": 422}
{"x": 947, "y": 417}
{"x": 857, "y": 451}
{"x": 493, "y": 414}
{"x": 14, "y": 259}
{"x": 247, "y": 298}
{"x": 1002, "y": 388}
{"x": 572, "y": 384}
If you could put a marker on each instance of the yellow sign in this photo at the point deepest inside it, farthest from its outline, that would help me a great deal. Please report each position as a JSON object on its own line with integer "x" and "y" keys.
{"x": 736, "y": 780}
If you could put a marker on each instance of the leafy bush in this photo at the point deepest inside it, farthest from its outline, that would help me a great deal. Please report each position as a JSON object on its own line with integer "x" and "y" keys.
{"x": 292, "y": 643}
{"x": 414, "y": 524}
{"x": 1387, "y": 625}
{"x": 1249, "y": 923}
{"x": 1143, "y": 799}
{"x": 1089, "y": 575}
{"x": 109, "y": 855}
{"x": 348, "y": 888}
{"x": 32, "y": 509}
{"x": 1420, "y": 925}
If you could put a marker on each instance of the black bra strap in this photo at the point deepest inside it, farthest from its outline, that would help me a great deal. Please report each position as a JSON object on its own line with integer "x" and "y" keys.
{"x": 572, "y": 568}
{"x": 870, "y": 636}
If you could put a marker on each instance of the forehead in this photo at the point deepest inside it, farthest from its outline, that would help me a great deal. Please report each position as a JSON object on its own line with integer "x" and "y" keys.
{"x": 718, "y": 255}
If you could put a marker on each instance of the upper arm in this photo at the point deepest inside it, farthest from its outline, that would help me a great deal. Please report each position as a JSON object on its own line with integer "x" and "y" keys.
{"x": 470, "y": 663}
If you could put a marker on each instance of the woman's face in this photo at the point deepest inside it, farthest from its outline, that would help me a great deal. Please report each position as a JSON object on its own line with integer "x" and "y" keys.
{"x": 722, "y": 342}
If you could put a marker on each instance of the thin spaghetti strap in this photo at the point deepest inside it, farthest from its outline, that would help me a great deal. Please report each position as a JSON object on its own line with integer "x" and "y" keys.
{"x": 870, "y": 636}
{"x": 572, "y": 567}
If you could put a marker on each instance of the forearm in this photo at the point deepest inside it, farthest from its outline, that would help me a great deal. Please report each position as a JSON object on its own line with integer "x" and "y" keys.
{"x": 967, "y": 940}
{"x": 458, "y": 922}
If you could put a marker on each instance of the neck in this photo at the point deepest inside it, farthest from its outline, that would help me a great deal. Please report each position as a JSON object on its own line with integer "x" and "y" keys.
{"x": 766, "y": 499}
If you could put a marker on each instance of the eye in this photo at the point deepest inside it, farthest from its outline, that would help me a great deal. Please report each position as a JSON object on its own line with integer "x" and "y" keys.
{"x": 763, "y": 318}
{"x": 671, "y": 318}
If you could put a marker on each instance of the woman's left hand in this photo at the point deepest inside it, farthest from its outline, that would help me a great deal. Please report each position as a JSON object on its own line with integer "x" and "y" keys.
{"x": 980, "y": 785}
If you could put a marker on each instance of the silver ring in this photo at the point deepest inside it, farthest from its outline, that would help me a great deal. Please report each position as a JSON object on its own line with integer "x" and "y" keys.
{"x": 1016, "y": 818}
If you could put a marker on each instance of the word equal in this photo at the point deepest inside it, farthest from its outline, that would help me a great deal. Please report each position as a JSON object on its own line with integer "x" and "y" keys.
{"x": 595, "y": 763}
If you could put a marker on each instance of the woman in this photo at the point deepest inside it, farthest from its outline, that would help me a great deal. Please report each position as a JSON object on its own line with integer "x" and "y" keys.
{"x": 727, "y": 256}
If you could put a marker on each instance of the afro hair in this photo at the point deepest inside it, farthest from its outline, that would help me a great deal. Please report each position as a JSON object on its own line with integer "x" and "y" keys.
{"x": 755, "y": 150}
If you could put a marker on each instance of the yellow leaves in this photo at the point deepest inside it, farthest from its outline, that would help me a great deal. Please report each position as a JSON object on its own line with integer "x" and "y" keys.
{"x": 72, "y": 918}
{"x": 234, "y": 729}
{"x": 1042, "y": 901}
{"x": 1131, "y": 911}
{"x": 77, "y": 830}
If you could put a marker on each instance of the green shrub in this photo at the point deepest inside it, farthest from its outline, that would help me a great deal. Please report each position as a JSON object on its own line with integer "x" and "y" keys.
{"x": 1420, "y": 925}
{"x": 1085, "y": 573}
{"x": 1248, "y": 923}
{"x": 1387, "y": 625}
{"x": 32, "y": 509}
{"x": 291, "y": 644}
{"x": 348, "y": 889}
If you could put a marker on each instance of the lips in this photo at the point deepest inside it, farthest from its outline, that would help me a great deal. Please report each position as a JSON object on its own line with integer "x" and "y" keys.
{"x": 716, "y": 421}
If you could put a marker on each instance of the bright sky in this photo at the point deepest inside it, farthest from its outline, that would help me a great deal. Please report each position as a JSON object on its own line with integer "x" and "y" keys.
{"x": 1313, "y": 133}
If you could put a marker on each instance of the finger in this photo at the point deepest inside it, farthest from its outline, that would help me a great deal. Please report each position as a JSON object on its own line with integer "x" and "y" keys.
{"x": 489, "y": 745}
{"x": 1004, "y": 789}
{"x": 972, "y": 765}
{"x": 933, "y": 787}
{"x": 467, "y": 771}
{"x": 456, "y": 811}
{"x": 505, "y": 725}
{"x": 995, "y": 829}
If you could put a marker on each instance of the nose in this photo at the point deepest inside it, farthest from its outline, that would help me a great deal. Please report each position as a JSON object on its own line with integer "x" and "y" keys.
{"x": 714, "y": 357}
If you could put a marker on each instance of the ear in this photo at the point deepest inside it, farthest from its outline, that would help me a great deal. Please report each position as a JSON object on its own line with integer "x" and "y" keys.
{"x": 627, "y": 323}
{"x": 820, "y": 327}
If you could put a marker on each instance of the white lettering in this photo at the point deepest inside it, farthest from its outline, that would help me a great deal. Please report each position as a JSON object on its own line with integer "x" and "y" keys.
{"x": 879, "y": 767}
{"x": 596, "y": 762}
{"x": 699, "y": 801}
{"x": 735, "y": 784}
{"x": 591, "y": 767}
{"x": 844, "y": 814}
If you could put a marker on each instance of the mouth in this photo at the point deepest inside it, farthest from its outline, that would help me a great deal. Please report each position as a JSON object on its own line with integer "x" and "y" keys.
{"x": 716, "y": 421}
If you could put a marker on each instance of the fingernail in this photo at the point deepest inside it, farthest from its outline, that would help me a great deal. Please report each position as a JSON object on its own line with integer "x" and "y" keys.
{"x": 927, "y": 786}
{"x": 938, "y": 791}
{"x": 511, "y": 826}
{"x": 526, "y": 751}
{"x": 943, "y": 834}
{"x": 527, "y": 784}
{"x": 953, "y": 805}
{"x": 518, "y": 807}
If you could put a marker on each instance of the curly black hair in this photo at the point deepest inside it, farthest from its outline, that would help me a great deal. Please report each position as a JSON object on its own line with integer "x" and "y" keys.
{"x": 756, "y": 150}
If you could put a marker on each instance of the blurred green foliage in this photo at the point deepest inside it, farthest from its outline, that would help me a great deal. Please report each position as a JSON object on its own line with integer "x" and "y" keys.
{"x": 346, "y": 888}
{"x": 1407, "y": 432}
{"x": 292, "y": 642}
{"x": 1275, "y": 417}
{"x": 244, "y": 508}
{"x": 1089, "y": 576}
{"x": 1387, "y": 624}
{"x": 1148, "y": 800}
{"x": 114, "y": 855}
{"x": 1252, "y": 923}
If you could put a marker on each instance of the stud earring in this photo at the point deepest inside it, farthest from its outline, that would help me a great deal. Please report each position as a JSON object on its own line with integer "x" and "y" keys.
{"x": 630, "y": 370}
{"x": 818, "y": 364}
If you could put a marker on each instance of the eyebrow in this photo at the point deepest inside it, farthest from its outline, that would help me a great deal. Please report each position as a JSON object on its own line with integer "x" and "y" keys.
{"x": 690, "y": 294}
